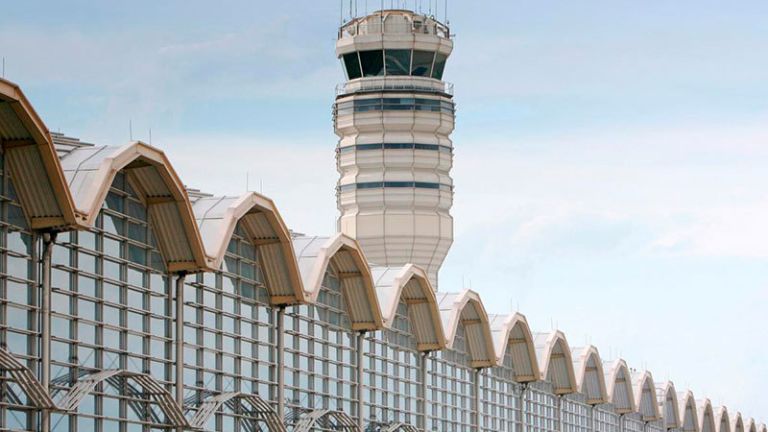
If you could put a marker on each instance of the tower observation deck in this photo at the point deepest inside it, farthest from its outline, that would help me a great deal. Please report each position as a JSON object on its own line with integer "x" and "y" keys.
{"x": 394, "y": 116}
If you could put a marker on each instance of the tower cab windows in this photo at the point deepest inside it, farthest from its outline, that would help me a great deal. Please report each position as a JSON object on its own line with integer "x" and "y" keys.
{"x": 394, "y": 62}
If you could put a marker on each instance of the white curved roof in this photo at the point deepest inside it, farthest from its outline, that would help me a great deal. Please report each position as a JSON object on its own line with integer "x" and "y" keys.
{"x": 689, "y": 413}
{"x": 737, "y": 422}
{"x": 722, "y": 420}
{"x": 466, "y": 308}
{"x": 410, "y": 284}
{"x": 646, "y": 402}
{"x": 590, "y": 377}
{"x": 217, "y": 218}
{"x": 750, "y": 425}
{"x": 512, "y": 336}
{"x": 90, "y": 172}
{"x": 32, "y": 161}
{"x": 669, "y": 406}
{"x": 706, "y": 415}
{"x": 315, "y": 254}
{"x": 762, "y": 428}
{"x": 619, "y": 383}
{"x": 555, "y": 362}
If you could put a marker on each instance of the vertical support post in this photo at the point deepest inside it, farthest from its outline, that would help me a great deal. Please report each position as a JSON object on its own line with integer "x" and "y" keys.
{"x": 280, "y": 360}
{"x": 360, "y": 376}
{"x": 476, "y": 397}
{"x": 179, "y": 340}
{"x": 45, "y": 325}
{"x": 423, "y": 390}
{"x": 523, "y": 407}
{"x": 559, "y": 418}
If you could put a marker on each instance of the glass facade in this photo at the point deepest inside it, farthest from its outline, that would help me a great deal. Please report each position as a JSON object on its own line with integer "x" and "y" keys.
{"x": 347, "y": 107}
{"x": 394, "y": 62}
{"x": 113, "y": 308}
{"x": 395, "y": 146}
{"x": 451, "y": 388}
{"x": 392, "y": 376}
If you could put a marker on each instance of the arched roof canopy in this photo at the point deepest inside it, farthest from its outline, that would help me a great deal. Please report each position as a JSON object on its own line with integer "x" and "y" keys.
{"x": 466, "y": 308}
{"x": 33, "y": 164}
{"x": 722, "y": 420}
{"x": 410, "y": 284}
{"x": 26, "y": 380}
{"x": 750, "y": 425}
{"x": 689, "y": 413}
{"x": 512, "y": 336}
{"x": 328, "y": 419}
{"x": 669, "y": 406}
{"x": 218, "y": 217}
{"x": 619, "y": 383}
{"x": 590, "y": 377}
{"x": 555, "y": 361}
{"x": 737, "y": 422}
{"x": 90, "y": 172}
{"x": 645, "y": 396}
{"x": 762, "y": 428}
{"x": 261, "y": 413}
{"x": 706, "y": 416}
{"x": 342, "y": 253}
{"x": 150, "y": 386}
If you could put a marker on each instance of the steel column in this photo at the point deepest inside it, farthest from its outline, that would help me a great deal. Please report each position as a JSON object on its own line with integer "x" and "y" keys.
{"x": 280, "y": 360}
{"x": 45, "y": 325}
{"x": 179, "y": 341}
{"x": 360, "y": 374}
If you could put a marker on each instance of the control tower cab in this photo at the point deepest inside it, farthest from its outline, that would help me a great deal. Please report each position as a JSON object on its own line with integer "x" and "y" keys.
{"x": 394, "y": 116}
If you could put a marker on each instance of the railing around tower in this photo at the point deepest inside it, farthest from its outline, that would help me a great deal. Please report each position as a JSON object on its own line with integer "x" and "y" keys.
{"x": 373, "y": 25}
{"x": 379, "y": 84}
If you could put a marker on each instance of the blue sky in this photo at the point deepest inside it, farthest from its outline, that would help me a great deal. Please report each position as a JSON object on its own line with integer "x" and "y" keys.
{"x": 610, "y": 155}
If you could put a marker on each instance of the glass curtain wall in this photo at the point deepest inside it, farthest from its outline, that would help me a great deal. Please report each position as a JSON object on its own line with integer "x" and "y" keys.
{"x": 450, "y": 388}
{"x": 111, "y": 309}
{"x": 392, "y": 374}
{"x": 19, "y": 302}
{"x": 576, "y": 413}
{"x": 540, "y": 408}
{"x": 229, "y": 334}
{"x": 499, "y": 396}
{"x": 320, "y": 359}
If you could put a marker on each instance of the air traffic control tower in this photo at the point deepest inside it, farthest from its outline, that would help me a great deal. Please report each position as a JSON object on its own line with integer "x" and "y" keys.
{"x": 394, "y": 116}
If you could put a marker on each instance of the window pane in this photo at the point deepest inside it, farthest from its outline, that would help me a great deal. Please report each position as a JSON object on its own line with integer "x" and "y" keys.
{"x": 373, "y": 63}
{"x": 422, "y": 63}
{"x": 352, "y": 63}
{"x": 398, "y": 62}
{"x": 439, "y": 66}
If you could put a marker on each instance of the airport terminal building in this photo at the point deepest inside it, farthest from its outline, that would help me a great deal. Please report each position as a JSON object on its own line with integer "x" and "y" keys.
{"x": 129, "y": 302}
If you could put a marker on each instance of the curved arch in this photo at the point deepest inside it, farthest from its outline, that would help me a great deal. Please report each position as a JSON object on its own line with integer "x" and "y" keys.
{"x": 669, "y": 406}
{"x": 316, "y": 254}
{"x": 26, "y": 380}
{"x": 341, "y": 421}
{"x": 33, "y": 163}
{"x": 750, "y": 425}
{"x": 91, "y": 171}
{"x": 737, "y": 422}
{"x": 722, "y": 420}
{"x": 590, "y": 377}
{"x": 689, "y": 416}
{"x": 466, "y": 308}
{"x": 619, "y": 382}
{"x": 217, "y": 219}
{"x": 513, "y": 335}
{"x": 411, "y": 285}
{"x": 762, "y": 428}
{"x": 647, "y": 404}
{"x": 262, "y": 412}
{"x": 400, "y": 427}
{"x": 555, "y": 361}
{"x": 706, "y": 416}
{"x": 152, "y": 387}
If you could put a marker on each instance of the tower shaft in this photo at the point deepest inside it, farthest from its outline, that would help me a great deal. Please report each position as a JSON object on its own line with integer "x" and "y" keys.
{"x": 394, "y": 116}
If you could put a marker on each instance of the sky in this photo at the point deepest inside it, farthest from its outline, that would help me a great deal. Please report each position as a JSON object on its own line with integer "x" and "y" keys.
{"x": 609, "y": 155}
